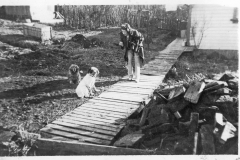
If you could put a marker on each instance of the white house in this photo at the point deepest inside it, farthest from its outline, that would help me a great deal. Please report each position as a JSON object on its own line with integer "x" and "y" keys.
{"x": 42, "y": 13}
{"x": 213, "y": 27}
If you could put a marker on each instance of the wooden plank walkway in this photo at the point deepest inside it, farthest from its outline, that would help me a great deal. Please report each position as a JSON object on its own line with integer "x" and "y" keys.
{"x": 101, "y": 119}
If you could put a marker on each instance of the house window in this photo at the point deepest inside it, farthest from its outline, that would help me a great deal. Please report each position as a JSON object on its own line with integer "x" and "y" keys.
{"x": 235, "y": 16}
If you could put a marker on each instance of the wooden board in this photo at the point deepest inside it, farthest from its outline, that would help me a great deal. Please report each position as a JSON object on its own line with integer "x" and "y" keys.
{"x": 85, "y": 127}
{"x": 115, "y": 103}
{"x": 194, "y": 91}
{"x": 129, "y": 91}
{"x": 128, "y": 88}
{"x": 149, "y": 72}
{"x": 49, "y": 147}
{"x": 94, "y": 122}
{"x": 104, "y": 108}
{"x": 80, "y": 132}
{"x": 145, "y": 83}
{"x": 98, "y": 114}
{"x": 130, "y": 140}
{"x": 109, "y": 106}
{"x": 75, "y": 136}
{"x": 85, "y": 123}
{"x": 93, "y": 117}
{"x": 136, "y": 85}
{"x": 97, "y": 110}
{"x": 156, "y": 69}
{"x": 123, "y": 96}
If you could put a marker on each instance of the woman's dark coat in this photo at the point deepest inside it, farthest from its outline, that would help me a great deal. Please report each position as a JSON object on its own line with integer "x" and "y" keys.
{"x": 133, "y": 41}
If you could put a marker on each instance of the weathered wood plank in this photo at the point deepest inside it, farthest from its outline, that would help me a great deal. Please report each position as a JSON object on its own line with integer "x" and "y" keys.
{"x": 115, "y": 100}
{"x": 109, "y": 106}
{"x": 76, "y": 113}
{"x": 146, "y": 83}
{"x": 94, "y": 117}
{"x": 80, "y": 132}
{"x": 107, "y": 128}
{"x": 54, "y": 147}
{"x": 116, "y": 103}
{"x": 93, "y": 120}
{"x": 109, "y": 115}
{"x": 149, "y": 72}
{"x": 130, "y": 140}
{"x": 105, "y": 108}
{"x": 155, "y": 69}
{"x": 194, "y": 91}
{"x": 116, "y": 114}
{"x": 85, "y": 127}
{"x": 137, "y": 85}
{"x": 166, "y": 58}
{"x": 117, "y": 127}
{"x": 75, "y": 136}
{"x": 120, "y": 96}
{"x": 129, "y": 91}
{"x": 146, "y": 77}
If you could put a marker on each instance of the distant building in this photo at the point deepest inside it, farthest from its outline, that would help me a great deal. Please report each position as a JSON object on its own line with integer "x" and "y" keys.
{"x": 42, "y": 13}
{"x": 214, "y": 27}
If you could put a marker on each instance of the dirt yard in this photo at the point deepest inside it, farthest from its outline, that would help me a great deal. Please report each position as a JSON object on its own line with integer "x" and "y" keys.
{"x": 34, "y": 88}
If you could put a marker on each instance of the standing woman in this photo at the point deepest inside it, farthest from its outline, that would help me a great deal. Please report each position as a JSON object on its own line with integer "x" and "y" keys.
{"x": 132, "y": 42}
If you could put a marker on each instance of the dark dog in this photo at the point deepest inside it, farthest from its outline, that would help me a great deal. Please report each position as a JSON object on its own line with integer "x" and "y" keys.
{"x": 74, "y": 75}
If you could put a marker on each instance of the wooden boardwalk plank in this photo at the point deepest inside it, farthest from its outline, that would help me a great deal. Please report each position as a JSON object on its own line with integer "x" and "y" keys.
{"x": 115, "y": 100}
{"x": 80, "y": 132}
{"x": 127, "y": 88}
{"x": 85, "y": 127}
{"x": 149, "y": 72}
{"x": 94, "y": 118}
{"x": 75, "y": 136}
{"x": 129, "y": 91}
{"x": 49, "y": 147}
{"x": 105, "y": 108}
{"x": 112, "y": 106}
{"x": 107, "y": 118}
{"x": 115, "y": 103}
{"x": 137, "y": 85}
{"x": 93, "y": 121}
{"x": 97, "y": 110}
{"x": 99, "y": 114}
{"x": 145, "y": 83}
{"x": 107, "y": 128}
{"x": 121, "y": 96}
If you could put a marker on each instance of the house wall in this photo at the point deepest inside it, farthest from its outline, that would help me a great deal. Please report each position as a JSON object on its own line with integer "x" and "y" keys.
{"x": 15, "y": 11}
{"x": 213, "y": 28}
{"x": 43, "y": 13}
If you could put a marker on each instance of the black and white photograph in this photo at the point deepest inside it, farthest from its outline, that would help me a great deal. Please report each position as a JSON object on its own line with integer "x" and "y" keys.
{"x": 102, "y": 78}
